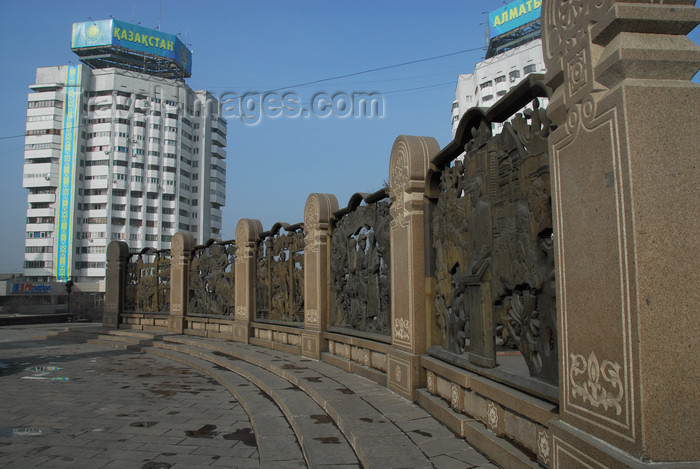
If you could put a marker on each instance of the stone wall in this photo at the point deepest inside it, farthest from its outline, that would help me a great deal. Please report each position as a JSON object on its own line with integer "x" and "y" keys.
{"x": 541, "y": 281}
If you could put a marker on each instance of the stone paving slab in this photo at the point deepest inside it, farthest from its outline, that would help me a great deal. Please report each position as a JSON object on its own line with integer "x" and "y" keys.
{"x": 126, "y": 409}
{"x": 111, "y": 411}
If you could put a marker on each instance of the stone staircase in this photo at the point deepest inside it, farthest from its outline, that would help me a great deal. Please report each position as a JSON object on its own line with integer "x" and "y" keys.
{"x": 318, "y": 413}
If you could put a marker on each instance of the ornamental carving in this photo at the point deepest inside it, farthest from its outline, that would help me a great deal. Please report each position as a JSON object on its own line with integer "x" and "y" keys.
{"x": 597, "y": 384}
{"x": 543, "y": 446}
{"x": 148, "y": 282}
{"x": 279, "y": 286}
{"x": 312, "y": 318}
{"x": 454, "y": 401}
{"x": 360, "y": 288}
{"x": 212, "y": 279}
{"x": 402, "y": 329}
{"x": 494, "y": 259}
{"x": 492, "y": 417}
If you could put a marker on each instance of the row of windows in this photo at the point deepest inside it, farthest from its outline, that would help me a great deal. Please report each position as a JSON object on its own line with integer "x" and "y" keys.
{"x": 90, "y": 235}
{"x": 40, "y": 219}
{"x": 39, "y": 234}
{"x": 89, "y": 265}
{"x": 108, "y": 120}
{"x": 38, "y": 249}
{"x": 44, "y": 103}
{"x": 90, "y": 249}
{"x": 48, "y": 117}
{"x": 44, "y": 132}
{"x": 94, "y": 163}
{"x": 104, "y": 133}
{"x": 37, "y": 264}
{"x": 513, "y": 75}
{"x": 42, "y": 146}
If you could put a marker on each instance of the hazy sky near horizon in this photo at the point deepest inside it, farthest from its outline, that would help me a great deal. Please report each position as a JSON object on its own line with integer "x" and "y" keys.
{"x": 240, "y": 47}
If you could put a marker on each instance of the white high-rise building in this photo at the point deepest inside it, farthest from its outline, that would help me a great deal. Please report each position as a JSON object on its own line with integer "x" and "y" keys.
{"x": 118, "y": 147}
{"x": 514, "y": 52}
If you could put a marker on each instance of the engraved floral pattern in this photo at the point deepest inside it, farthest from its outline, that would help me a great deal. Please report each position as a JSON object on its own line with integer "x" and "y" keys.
{"x": 431, "y": 382}
{"x": 312, "y": 317}
{"x": 401, "y": 329}
{"x": 455, "y": 397}
{"x": 603, "y": 386}
{"x": 492, "y": 416}
{"x": 543, "y": 446}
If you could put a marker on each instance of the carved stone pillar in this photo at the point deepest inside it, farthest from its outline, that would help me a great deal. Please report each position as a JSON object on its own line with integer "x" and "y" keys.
{"x": 247, "y": 233}
{"x": 409, "y": 163}
{"x": 626, "y": 199}
{"x": 317, "y": 216}
{"x": 115, "y": 283}
{"x": 180, "y": 250}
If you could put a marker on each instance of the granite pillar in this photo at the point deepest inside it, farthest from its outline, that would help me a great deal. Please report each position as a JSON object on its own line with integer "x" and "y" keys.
{"x": 247, "y": 233}
{"x": 409, "y": 163}
{"x": 317, "y": 217}
{"x": 625, "y": 199}
{"x": 180, "y": 251}
{"x": 115, "y": 283}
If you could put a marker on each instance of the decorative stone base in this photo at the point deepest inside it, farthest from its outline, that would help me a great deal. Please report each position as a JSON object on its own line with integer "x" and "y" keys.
{"x": 575, "y": 449}
{"x": 312, "y": 344}
{"x": 241, "y": 332}
{"x": 176, "y": 324}
{"x": 404, "y": 374}
{"x": 110, "y": 319}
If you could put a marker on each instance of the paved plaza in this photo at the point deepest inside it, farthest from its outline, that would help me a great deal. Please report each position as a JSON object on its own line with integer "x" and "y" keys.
{"x": 94, "y": 405}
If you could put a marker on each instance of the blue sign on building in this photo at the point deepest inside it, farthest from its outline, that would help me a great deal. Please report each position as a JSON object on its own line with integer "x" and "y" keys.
{"x": 513, "y": 15}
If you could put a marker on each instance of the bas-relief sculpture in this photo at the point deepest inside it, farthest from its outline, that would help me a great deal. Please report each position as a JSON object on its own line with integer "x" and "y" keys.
{"x": 148, "y": 282}
{"x": 280, "y": 277}
{"x": 360, "y": 283}
{"x": 492, "y": 235}
{"x": 212, "y": 279}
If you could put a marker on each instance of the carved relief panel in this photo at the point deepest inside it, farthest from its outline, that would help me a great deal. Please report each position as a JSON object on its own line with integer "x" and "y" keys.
{"x": 280, "y": 276}
{"x": 360, "y": 275}
{"x": 148, "y": 282}
{"x": 492, "y": 235}
{"x": 212, "y": 279}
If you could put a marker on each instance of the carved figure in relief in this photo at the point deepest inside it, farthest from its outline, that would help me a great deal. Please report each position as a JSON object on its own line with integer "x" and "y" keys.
{"x": 373, "y": 264}
{"x": 459, "y": 338}
{"x": 492, "y": 235}
{"x": 360, "y": 276}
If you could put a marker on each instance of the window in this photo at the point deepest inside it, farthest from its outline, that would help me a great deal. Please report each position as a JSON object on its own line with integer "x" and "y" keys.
{"x": 486, "y": 84}
{"x": 500, "y": 79}
{"x": 530, "y": 69}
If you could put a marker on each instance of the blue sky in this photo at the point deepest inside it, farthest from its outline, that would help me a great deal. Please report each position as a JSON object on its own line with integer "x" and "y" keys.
{"x": 256, "y": 46}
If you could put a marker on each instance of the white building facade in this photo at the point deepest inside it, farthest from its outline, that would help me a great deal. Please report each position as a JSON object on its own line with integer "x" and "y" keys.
{"x": 114, "y": 154}
{"x": 514, "y": 51}
{"x": 494, "y": 77}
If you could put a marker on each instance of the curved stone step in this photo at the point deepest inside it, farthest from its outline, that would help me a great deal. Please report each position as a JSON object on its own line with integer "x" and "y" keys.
{"x": 321, "y": 441}
{"x": 351, "y": 401}
{"x": 277, "y": 443}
